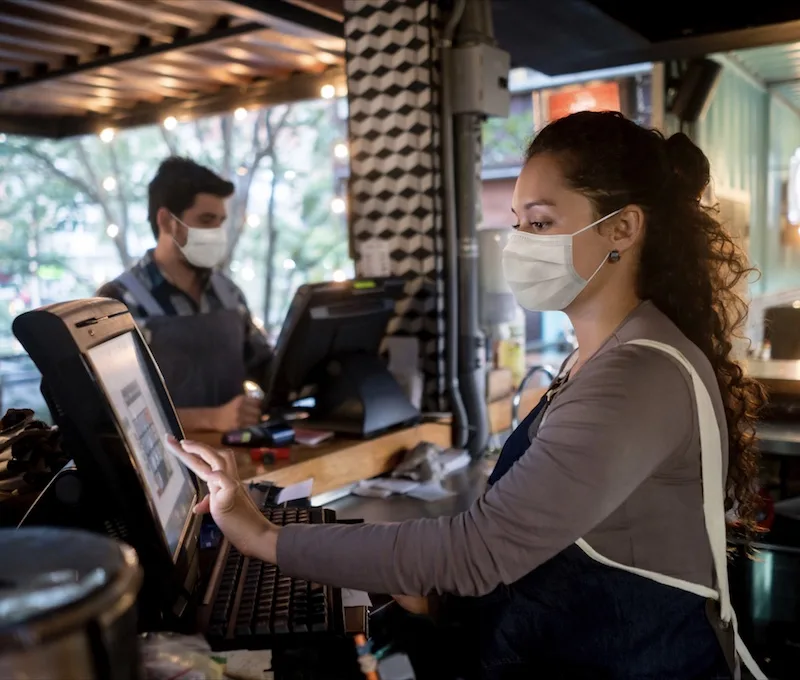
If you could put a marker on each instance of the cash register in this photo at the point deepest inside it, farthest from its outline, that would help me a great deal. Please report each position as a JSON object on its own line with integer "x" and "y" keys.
{"x": 328, "y": 354}
{"x": 109, "y": 400}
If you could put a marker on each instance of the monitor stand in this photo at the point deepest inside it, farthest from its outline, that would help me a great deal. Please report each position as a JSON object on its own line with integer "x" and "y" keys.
{"x": 358, "y": 396}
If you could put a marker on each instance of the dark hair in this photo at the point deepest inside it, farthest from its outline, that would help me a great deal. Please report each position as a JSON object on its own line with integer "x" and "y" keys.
{"x": 176, "y": 185}
{"x": 690, "y": 267}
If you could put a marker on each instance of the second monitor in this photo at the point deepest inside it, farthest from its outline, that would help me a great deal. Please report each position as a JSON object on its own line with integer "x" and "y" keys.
{"x": 329, "y": 350}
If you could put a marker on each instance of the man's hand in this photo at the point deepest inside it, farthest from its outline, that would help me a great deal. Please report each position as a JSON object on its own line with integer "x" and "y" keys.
{"x": 228, "y": 501}
{"x": 239, "y": 412}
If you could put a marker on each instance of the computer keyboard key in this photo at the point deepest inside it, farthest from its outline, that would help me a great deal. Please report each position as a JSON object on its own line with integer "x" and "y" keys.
{"x": 269, "y": 603}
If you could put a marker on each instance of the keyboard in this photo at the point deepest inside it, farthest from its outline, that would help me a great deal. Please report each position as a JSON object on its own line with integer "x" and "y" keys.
{"x": 255, "y": 604}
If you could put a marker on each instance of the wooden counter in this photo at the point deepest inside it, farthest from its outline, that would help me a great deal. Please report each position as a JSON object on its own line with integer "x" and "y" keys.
{"x": 338, "y": 462}
{"x": 779, "y": 377}
{"x": 342, "y": 461}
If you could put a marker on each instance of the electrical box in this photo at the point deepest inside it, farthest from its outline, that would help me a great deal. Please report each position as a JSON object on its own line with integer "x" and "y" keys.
{"x": 480, "y": 80}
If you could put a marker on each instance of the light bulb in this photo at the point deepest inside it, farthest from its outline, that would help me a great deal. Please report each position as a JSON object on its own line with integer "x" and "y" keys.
{"x": 339, "y": 276}
{"x": 338, "y": 206}
{"x": 112, "y": 230}
{"x": 107, "y": 134}
{"x": 240, "y": 113}
{"x": 340, "y": 150}
{"x": 253, "y": 220}
{"x": 109, "y": 183}
{"x": 289, "y": 263}
{"x": 170, "y": 122}
{"x": 327, "y": 91}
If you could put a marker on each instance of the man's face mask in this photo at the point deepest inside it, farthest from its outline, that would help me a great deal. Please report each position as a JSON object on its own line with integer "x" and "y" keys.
{"x": 205, "y": 247}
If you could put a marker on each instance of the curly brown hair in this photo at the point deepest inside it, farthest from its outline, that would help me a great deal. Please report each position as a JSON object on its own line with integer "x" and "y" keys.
{"x": 690, "y": 267}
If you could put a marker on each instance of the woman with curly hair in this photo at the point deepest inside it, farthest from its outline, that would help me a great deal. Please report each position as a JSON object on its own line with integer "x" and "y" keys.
{"x": 598, "y": 549}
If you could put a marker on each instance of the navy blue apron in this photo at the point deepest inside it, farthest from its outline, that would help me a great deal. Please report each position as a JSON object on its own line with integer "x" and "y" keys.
{"x": 573, "y": 617}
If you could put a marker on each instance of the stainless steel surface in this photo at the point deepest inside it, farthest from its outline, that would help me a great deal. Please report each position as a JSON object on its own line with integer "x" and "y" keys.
{"x": 780, "y": 439}
{"x": 93, "y": 634}
{"x": 468, "y": 485}
{"x": 547, "y": 369}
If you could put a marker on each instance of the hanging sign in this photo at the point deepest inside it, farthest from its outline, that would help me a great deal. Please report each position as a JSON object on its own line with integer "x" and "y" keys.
{"x": 597, "y": 97}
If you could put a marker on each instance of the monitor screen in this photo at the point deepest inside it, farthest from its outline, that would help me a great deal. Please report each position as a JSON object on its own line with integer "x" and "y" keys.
{"x": 122, "y": 372}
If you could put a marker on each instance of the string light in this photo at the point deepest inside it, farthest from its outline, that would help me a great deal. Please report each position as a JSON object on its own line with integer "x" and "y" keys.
{"x": 170, "y": 122}
{"x": 339, "y": 276}
{"x": 341, "y": 150}
{"x": 109, "y": 183}
{"x": 289, "y": 175}
{"x": 327, "y": 91}
{"x": 248, "y": 274}
{"x": 112, "y": 230}
{"x": 107, "y": 135}
{"x": 796, "y": 304}
{"x": 338, "y": 206}
{"x": 240, "y": 113}
{"x": 253, "y": 220}
{"x": 289, "y": 263}
{"x": 241, "y": 171}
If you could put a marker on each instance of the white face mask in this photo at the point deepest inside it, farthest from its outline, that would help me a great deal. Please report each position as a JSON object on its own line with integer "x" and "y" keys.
{"x": 540, "y": 270}
{"x": 205, "y": 248}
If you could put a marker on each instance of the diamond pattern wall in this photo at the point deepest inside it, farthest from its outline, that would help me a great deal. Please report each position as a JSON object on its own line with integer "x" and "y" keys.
{"x": 395, "y": 182}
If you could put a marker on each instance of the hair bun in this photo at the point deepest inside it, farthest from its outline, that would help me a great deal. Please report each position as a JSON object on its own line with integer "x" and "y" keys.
{"x": 691, "y": 171}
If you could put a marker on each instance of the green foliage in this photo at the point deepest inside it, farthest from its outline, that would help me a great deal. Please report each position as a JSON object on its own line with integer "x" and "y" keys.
{"x": 65, "y": 228}
{"x": 504, "y": 139}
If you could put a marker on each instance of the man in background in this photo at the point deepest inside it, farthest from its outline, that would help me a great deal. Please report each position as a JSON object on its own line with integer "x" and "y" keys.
{"x": 194, "y": 318}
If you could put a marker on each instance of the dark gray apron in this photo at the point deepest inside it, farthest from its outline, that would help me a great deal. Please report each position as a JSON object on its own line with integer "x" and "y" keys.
{"x": 201, "y": 356}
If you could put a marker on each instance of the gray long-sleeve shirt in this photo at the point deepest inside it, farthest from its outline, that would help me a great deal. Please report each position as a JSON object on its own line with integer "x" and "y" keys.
{"x": 616, "y": 461}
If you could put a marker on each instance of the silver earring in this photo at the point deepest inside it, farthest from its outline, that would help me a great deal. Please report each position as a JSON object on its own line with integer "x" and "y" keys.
{"x": 614, "y": 256}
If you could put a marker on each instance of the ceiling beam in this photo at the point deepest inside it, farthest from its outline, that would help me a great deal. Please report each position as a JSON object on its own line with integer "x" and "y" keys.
{"x": 182, "y": 43}
{"x": 258, "y": 95}
{"x": 277, "y": 14}
{"x": 681, "y": 48}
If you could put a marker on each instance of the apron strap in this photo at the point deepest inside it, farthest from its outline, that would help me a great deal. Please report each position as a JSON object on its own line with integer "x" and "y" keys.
{"x": 713, "y": 510}
{"x": 225, "y": 291}
{"x": 142, "y": 296}
{"x": 713, "y": 482}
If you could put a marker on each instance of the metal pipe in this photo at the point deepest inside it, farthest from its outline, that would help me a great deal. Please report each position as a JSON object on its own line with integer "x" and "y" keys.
{"x": 472, "y": 342}
{"x": 459, "y": 423}
{"x": 474, "y": 28}
{"x": 548, "y": 370}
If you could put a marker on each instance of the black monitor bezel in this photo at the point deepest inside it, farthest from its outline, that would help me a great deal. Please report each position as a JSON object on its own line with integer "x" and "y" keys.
{"x": 310, "y": 296}
{"x": 58, "y": 339}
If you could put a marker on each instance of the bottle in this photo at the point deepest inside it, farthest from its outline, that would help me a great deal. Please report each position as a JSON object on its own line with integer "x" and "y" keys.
{"x": 511, "y": 347}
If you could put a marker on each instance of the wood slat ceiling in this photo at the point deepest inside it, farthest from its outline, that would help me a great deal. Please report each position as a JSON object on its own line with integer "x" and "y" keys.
{"x": 76, "y": 66}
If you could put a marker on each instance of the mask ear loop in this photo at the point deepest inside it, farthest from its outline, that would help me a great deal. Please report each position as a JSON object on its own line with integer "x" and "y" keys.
{"x": 612, "y": 256}
{"x": 178, "y": 220}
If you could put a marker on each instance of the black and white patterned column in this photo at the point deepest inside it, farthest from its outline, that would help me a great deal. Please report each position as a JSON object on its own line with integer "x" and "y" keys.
{"x": 395, "y": 181}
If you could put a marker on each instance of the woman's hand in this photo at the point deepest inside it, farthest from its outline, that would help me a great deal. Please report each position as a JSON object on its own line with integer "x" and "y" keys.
{"x": 414, "y": 604}
{"x": 228, "y": 501}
